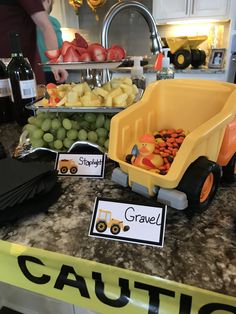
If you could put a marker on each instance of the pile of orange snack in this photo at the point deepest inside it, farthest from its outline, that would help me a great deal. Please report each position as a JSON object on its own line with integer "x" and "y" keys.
{"x": 156, "y": 152}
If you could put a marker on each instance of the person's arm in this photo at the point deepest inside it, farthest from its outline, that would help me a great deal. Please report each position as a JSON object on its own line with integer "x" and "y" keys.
{"x": 42, "y": 21}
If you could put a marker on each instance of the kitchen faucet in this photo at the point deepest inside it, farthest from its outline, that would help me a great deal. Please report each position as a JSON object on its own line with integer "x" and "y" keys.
{"x": 143, "y": 10}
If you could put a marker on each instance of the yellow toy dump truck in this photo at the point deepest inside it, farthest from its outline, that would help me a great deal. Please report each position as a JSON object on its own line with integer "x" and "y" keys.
{"x": 184, "y": 51}
{"x": 206, "y": 110}
{"x": 105, "y": 220}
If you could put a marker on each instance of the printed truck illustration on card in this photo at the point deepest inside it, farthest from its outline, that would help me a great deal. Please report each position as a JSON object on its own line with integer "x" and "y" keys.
{"x": 105, "y": 220}
{"x": 66, "y": 165}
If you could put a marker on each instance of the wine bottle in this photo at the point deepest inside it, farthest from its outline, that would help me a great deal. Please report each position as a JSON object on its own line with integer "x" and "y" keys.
{"x": 22, "y": 81}
{"x": 5, "y": 95}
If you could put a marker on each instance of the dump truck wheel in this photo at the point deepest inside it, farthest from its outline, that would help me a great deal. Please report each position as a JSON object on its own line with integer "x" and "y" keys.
{"x": 115, "y": 229}
{"x": 182, "y": 59}
{"x": 198, "y": 57}
{"x": 73, "y": 170}
{"x": 200, "y": 183}
{"x": 101, "y": 226}
{"x": 229, "y": 171}
{"x": 64, "y": 169}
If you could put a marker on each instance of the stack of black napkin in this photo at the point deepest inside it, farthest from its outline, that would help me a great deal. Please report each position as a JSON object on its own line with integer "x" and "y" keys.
{"x": 26, "y": 188}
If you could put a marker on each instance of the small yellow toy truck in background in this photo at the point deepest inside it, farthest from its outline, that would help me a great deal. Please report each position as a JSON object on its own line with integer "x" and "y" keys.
{"x": 206, "y": 110}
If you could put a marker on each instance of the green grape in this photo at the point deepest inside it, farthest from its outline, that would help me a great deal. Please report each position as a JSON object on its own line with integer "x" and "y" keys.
{"x": 85, "y": 125}
{"x": 107, "y": 124}
{"x": 72, "y": 134}
{"x": 56, "y": 124}
{"x": 46, "y": 125}
{"x": 92, "y": 136}
{"x": 37, "y": 134}
{"x": 67, "y": 124}
{"x": 41, "y": 115}
{"x": 58, "y": 144}
{"x": 39, "y": 122}
{"x": 92, "y": 127}
{"x": 37, "y": 143}
{"x": 31, "y": 120}
{"x": 30, "y": 128}
{"x": 106, "y": 144}
{"x": 53, "y": 132}
{"x": 82, "y": 135}
{"x": 67, "y": 142}
{"x": 100, "y": 120}
{"x": 48, "y": 137}
{"x": 61, "y": 133}
{"x": 90, "y": 117}
{"x": 51, "y": 115}
{"x": 101, "y": 141}
{"x": 75, "y": 125}
{"x": 101, "y": 132}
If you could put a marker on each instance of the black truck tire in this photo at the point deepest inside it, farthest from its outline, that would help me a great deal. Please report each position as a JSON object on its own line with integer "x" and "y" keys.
{"x": 181, "y": 59}
{"x": 198, "y": 57}
{"x": 229, "y": 171}
{"x": 200, "y": 183}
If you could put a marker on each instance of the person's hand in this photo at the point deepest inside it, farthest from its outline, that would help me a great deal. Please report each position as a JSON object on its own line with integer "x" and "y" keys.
{"x": 60, "y": 75}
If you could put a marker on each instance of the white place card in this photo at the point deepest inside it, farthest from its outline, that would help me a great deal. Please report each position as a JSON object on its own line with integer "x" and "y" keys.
{"x": 128, "y": 222}
{"x": 80, "y": 165}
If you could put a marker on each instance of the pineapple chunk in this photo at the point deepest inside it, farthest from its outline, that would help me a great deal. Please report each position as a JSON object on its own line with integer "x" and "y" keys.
{"x": 120, "y": 100}
{"x": 72, "y": 97}
{"x": 130, "y": 99}
{"x": 127, "y": 89}
{"x": 115, "y": 92}
{"x": 107, "y": 87}
{"x": 44, "y": 102}
{"x": 90, "y": 100}
{"x": 135, "y": 89}
{"x": 115, "y": 83}
{"x": 86, "y": 99}
{"x": 100, "y": 91}
{"x": 75, "y": 104}
{"x": 79, "y": 89}
{"x": 127, "y": 80}
{"x": 86, "y": 87}
{"x": 108, "y": 101}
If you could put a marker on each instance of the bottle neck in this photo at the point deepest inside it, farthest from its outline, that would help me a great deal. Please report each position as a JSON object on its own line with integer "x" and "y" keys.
{"x": 15, "y": 45}
{"x": 16, "y": 54}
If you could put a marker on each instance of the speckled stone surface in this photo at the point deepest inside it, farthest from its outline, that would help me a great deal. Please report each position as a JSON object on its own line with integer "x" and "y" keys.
{"x": 199, "y": 250}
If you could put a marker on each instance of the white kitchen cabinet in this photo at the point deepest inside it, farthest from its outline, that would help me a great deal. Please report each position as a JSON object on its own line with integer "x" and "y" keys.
{"x": 65, "y": 14}
{"x": 170, "y": 10}
{"x": 216, "y": 8}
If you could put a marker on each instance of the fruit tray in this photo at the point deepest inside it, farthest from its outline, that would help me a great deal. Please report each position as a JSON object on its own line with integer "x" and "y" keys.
{"x": 84, "y": 65}
{"x": 37, "y": 106}
{"x": 25, "y": 150}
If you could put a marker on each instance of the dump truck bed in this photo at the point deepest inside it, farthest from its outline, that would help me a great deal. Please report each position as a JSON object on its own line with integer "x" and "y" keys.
{"x": 202, "y": 108}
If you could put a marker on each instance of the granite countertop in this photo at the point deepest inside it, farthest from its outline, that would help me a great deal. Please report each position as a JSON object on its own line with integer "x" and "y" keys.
{"x": 199, "y": 250}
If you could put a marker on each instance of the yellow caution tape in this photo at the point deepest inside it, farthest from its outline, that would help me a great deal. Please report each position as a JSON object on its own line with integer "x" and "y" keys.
{"x": 103, "y": 288}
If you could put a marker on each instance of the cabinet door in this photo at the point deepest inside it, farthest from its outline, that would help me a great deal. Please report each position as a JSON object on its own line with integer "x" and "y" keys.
{"x": 203, "y": 8}
{"x": 171, "y": 9}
